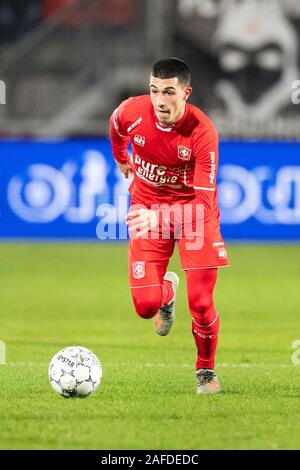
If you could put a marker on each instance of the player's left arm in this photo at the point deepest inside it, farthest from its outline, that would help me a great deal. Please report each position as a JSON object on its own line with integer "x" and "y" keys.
{"x": 119, "y": 142}
{"x": 206, "y": 165}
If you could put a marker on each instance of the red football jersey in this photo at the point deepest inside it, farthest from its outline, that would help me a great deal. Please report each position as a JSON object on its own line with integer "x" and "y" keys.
{"x": 171, "y": 164}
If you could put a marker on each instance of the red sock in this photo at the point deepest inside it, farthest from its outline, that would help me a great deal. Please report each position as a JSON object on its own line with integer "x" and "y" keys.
{"x": 205, "y": 325}
{"x": 167, "y": 292}
{"x": 206, "y": 339}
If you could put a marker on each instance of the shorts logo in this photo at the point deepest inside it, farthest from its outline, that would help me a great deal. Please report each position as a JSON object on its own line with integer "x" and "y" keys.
{"x": 222, "y": 253}
{"x": 184, "y": 153}
{"x": 139, "y": 140}
{"x": 218, "y": 244}
{"x": 138, "y": 269}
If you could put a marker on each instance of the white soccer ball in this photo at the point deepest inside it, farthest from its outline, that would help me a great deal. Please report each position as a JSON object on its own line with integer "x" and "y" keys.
{"x": 75, "y": 372}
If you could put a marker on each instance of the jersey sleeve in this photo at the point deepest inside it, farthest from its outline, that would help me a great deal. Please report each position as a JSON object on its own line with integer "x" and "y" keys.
{"x": 118, "y": 134}
{"x": 206, "y": 165}
{"x": 206, "y": 161}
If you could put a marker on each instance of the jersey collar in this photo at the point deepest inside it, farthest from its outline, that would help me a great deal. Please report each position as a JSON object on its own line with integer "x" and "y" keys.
{"x": 163, "y": 127}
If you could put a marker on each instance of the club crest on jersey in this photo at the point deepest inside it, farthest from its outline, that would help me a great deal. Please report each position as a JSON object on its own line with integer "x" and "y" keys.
{"x": 222, "y": 253}
{"x": 139, "y": 140}
{"x": 138, "y": 269}
{"x": 184, "y": 153}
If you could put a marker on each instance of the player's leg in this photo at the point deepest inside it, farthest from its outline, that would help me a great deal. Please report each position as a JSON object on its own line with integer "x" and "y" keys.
{"x": 205, "y": 326}
{"x": 148, "y": 300}
{"x": 164, "y": 318}
{"x": 205, "y": 319}
{"x": 151, "y": 289}
{"x": 200, "y": 258}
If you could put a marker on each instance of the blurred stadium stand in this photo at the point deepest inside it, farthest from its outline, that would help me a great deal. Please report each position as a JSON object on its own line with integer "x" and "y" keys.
{"x": 18, "y": 18}
{"x": 67, "y": 74}
{"x": 67, "y": 63}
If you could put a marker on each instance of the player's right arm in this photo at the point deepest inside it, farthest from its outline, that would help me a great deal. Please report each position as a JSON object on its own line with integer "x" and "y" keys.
{"x": 119, "y": 141}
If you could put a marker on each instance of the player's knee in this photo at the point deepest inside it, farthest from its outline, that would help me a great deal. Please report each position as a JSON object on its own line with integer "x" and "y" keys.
{"x": 146, "y": 306}
{"x": 200, "y": 304}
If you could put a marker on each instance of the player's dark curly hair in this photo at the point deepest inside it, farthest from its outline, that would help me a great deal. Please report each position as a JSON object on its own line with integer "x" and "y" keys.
{"x": 170, "y": 68}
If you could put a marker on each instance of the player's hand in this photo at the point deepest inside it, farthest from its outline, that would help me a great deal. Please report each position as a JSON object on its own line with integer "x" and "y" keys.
{"x": 126, "y": 168}
{"x": 141, "y": 221}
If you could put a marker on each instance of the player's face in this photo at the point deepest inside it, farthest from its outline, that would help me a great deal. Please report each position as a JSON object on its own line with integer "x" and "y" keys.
{"x": 168, "y": 97}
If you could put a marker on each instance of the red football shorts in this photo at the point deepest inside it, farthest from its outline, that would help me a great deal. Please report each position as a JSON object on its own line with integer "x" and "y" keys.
{"x": 148, "y": 258}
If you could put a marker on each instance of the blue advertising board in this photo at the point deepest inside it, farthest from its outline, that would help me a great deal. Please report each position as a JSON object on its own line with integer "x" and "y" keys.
{"x": 259, "y": 190}
{"x": 72, "y": 189}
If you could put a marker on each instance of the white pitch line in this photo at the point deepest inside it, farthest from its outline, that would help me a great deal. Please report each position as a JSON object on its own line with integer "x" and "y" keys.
{"x": 161, "y": 365}
{"x": 218, "y": 366}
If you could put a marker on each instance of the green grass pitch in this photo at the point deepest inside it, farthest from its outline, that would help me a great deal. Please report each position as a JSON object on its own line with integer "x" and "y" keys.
{"x": 53, "y": 295}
